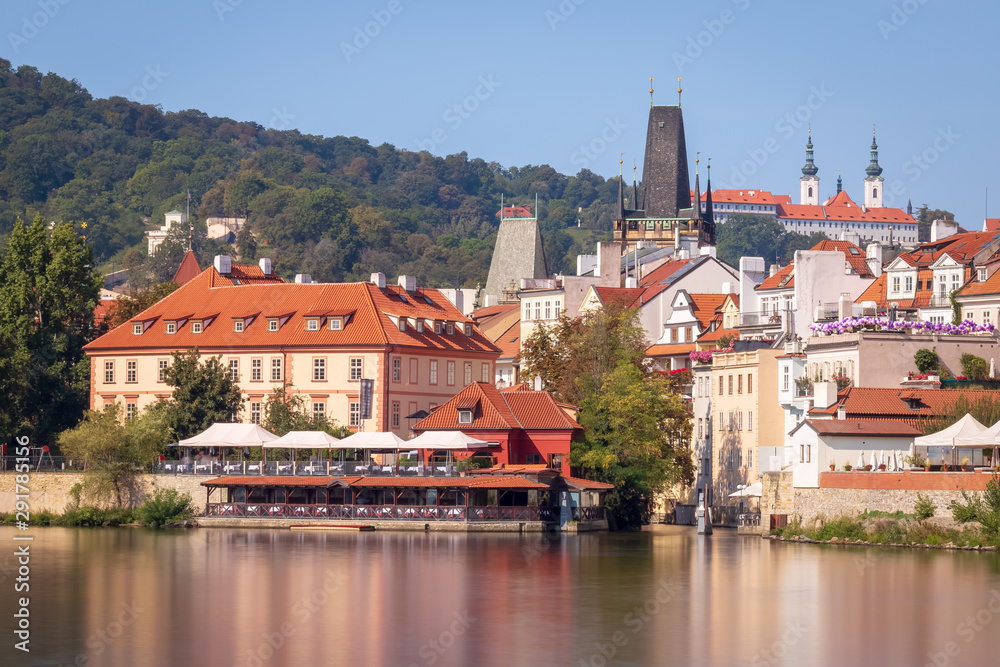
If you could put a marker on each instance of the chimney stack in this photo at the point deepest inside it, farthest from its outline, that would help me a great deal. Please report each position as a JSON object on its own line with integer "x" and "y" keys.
{"x": 223, "y": 264}
{"x": 409, "y": 283}
{"x": 265, "y": 266}
{"x": 378, "y": 279}
{"x": 302, "y": 278}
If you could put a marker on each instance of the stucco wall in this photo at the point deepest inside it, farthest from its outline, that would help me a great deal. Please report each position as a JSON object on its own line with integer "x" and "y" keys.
{"x": 49, "y": 491}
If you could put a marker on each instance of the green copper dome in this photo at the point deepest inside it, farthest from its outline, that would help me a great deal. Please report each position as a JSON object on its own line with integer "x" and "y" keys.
{"x": 873, "y": 168}
{"x": 810, "y": 169}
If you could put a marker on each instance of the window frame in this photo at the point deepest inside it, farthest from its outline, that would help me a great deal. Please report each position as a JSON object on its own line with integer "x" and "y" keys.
{"x": 277, "y": 369}
{"x": 319, "y": 369}
{"x": 131, "y": 371}
{"x": 109, "y": 371}
{"x": 234, "y": 369}
{"x": 257, "y": 369}
{"x": 355, "y": 371}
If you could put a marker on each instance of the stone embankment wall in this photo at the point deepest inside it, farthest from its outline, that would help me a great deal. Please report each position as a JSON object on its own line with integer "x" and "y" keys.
{"x": 848, "y": 494}
{"x": 50, "y": 491}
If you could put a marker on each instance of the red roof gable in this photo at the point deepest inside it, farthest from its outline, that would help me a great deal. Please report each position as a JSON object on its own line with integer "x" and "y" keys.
{"x": 188, "y": 269}
{"x": 370, "y": 325}
{"x": 782, "y": 279}
{"x": 510, "y": 341}
{"x": 496, "y": 410}
{"x": 658, "y": 280}
{"x": 623, "y": 296}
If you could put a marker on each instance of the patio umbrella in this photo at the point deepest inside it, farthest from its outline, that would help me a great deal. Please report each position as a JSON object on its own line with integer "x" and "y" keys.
{"x": 881, "y": 459}
{"x": 372, "y": 440}
{"x": 447, "y": 440}
{"x": 223, "y": 435}
{"x": 750, "y": 491}
{"x": 305, "y": 440}
{"x": 861, "y": 460}
{"x": 993, "y": 368}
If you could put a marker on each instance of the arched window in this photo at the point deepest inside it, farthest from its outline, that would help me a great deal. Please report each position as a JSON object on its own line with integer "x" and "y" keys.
{"x": 810, "y": 191}
{"x": 874, "y": 193}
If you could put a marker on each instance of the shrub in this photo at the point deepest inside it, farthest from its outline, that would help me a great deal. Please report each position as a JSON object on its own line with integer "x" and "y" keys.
{"x": 982, "y": 508}
{"x": 924, "y": 507}
{"x": 165, "y": 506}
{"x": 926, "y": 360}
{"x": 973, "y": 367}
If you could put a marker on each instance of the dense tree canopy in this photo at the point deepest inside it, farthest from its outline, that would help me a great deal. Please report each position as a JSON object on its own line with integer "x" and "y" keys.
{"x": 636, "y": 425}
{"x": 203, "y": 393}
{"x": 48, "y": 292}
{"x": 750, "y": 235}
{"x": 335, "y": 207}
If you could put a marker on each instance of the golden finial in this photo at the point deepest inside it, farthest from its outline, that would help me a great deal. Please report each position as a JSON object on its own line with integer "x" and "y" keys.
{"x": 621, "y": 161}
{"x": 650, "y": 91}
{"x": 679, "y": 90}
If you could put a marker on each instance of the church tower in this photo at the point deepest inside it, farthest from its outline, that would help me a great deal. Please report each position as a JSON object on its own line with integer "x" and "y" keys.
{"x": 873, "y": 184}
{"x": 809, "y": 183}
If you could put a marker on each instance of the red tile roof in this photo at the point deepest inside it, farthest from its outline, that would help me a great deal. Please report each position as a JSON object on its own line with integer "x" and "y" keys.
{"x": 877, "y": 292}
{"x": 990, "y": 286}
{"x": 658, "y": 280}
{"x": 856, "y": 257}
{"x": 888, "y": 403}
{"x": 623, "y": 296}
{"x": 510, "y": 341}
{"x": 501, "y": 482}
{"x": 188, "y": 269}
{"x": 714, "y": 336}
{"x": 705, "y": 306}
{"x": 264, "y": 480}
{"x": 482, "y": 314}
{"x": 244, "y": 274}
{"x": 103, "y": 308}
{"x": 496, "y": 410}
{"x": 991, "y": 225}
{"x": 669, "y": 350}
{"x": 784, "y": 278}
{"x": 588, "y": 484}
{"x": 209, "y": 294}
{"x": 762, "y": 197}
{"x": 868, "y": 428}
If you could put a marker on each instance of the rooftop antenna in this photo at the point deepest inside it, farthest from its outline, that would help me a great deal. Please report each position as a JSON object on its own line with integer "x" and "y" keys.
{"x": 190, "y": 224}
{"x": 680, "y": 90}
{"x": 650, "y": 92}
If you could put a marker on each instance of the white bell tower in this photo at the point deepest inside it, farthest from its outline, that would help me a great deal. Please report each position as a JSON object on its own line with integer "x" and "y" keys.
{"x": 809, "y": 183}
{"x": 874, "y": 182}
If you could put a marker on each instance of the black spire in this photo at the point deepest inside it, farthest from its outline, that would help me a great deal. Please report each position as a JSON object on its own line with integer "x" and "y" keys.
{"x": 635, "y": 191}
{"x": 621, "y": 197}
{"x": 873, "y": 169}
{"x": 666, "y": 185}
{"x": 697, "y": 192}
{"x": 810, "y": 169}
{"x": 909, "y": 207}
{"x": 708, "y": 222}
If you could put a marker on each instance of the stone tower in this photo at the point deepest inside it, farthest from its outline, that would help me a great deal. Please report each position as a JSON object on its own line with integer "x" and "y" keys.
{"x": 517, "y": 254}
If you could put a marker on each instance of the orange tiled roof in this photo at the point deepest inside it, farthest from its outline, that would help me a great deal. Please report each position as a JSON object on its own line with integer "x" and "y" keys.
{"x": 669, "y": 350}
{"x": 496, "y": 410}
{"x": 762, "y": 197}
{"x": 855, "y": 256}
{"x": 588, "y": 484}
{"x": 888, "y": 403}
{"x": 713, "y": 336}
{"x": 490, "y": 311}
{"x": 658, "y": 280}
{"x": 705, "y": 306}
{"x": 877, "y": 292}
{"x": 990, "y": 286}
{"x": 188, "y": 269}
{"x": 991, "y": 225}
{"x": 782, "y": 279}
{"x": 510, "y": 341}
{"x": 865, "y": 427}
{"x": 623, "y": 296}
{"x": 371, "y": 324}
{"x": 244, "y": 274}
{"x": 103, "y": 309}
{"x": 505, "y": 482}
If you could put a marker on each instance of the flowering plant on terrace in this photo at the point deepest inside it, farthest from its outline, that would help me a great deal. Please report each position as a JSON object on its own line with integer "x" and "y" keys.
{"x": 702, "y": 356}
{"x": 850, "y": 324}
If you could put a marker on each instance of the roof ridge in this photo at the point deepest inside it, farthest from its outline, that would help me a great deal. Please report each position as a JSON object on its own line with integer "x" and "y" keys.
{"x": 376, "y": 311}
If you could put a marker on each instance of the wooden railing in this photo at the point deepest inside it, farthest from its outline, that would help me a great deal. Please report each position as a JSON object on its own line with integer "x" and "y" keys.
{"x": 388, "y": 512}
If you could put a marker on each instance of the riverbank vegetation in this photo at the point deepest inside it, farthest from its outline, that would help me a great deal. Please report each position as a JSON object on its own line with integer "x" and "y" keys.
{"x": 977, "y": 513}
{"x": 165, "y": 507}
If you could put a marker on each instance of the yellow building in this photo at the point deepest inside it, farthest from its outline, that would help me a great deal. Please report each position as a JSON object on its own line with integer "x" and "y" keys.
{"x": 745, "y": 415}
{"x": 317, "y": 340}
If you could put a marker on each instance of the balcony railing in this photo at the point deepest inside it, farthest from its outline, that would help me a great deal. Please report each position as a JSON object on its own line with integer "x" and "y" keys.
{"x": 940, "y": 301}
{"x": 763, "y": 318}
{"x": 395, "y": 512}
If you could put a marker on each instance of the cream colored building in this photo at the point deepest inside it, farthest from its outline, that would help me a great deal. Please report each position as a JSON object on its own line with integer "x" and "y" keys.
{"x": 745, "y": 415}
{"x": 317, "y": 340}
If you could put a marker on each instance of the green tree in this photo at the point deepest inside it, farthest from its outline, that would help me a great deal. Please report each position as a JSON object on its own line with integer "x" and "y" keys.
{"x": 982, "y": 508}
{"x": 925, "y": 216}
{"x": 749, "y": 235}
{"x": 926, "y": 360}
{"x": 114, "y": 451}
{"x": 973, "y": 367}
{"x": 203, "y": 394}
{"x": 48, "y": 292}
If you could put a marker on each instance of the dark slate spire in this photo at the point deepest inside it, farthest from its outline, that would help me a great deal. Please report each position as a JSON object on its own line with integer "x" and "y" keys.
{"x": 666, "y": 186}
{"x": 621, "y": 196}
{"x": 873, "y": 168}
{"x": 697, "y": 192}
{"x": 840, "y": 183}
{"x": 708, "y": 222}
{"x": 810, "y": 169}
{"x": 635, "y": 190}
{"x": 909, "y": 207}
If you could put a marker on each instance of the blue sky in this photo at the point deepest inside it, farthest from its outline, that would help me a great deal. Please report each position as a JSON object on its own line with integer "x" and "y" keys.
{"x": 565, "y": 82}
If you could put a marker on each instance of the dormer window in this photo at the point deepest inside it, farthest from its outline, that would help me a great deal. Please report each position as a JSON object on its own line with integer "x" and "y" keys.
{"x": 196, "y": 327}
{"x": 420, "y": 326}
{"x": 437, "y": 327}
{"x": 468, "y": 328}
{"x": 451, "y": 329}
{"x": 237, "y": 325}
{"x": 402, "y": 324}
{"x": 171, "y": 327}
{"x": 272, "y": 325}
{"x": 465, "y": 416}
{"x": 312, "y": 324}
{"x": 982, "y": 275}
{"x": 336, "y": 324}
{"x": 137, "y": 329}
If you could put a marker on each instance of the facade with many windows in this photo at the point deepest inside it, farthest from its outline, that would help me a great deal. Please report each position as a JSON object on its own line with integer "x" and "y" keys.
{"x": 316, "y": 340}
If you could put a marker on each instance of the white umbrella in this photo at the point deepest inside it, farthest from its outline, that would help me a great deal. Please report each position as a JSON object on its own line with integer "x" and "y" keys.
{"x": 447, "y": 440}
{"x": 750, "y": 491}
{"x": 880, "y": 461}
{"x": 861, "y": 460}
{"x": 372, "y": 440}
{"x": 230, "y": 435}
{"x": 993, "y": 367}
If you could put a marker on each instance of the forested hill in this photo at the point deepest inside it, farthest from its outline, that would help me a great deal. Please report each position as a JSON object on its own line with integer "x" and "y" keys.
{"x": 335, "y": 207}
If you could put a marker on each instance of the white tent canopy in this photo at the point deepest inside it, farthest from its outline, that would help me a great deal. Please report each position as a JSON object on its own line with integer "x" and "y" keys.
{"x": 446, "y": 440}
{"x": 229, "y": 435}
{"x": 372, "y": 440}
{"x": 986, "y": 438}
{"x": 965, "y": 427}
{"x": 305, "y": 440}
{"x": 751, "y": 491}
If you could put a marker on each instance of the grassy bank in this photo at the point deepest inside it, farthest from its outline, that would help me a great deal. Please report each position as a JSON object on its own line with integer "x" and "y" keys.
{"x": 166, "y": 507}
{"x": 897, "y": 530}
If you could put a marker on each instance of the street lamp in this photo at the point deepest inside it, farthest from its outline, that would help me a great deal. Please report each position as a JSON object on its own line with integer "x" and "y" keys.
{"x": 741, "y": 488}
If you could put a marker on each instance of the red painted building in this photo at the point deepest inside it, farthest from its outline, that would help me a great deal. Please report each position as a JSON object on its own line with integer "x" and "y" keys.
{"x": 529, "y": 426}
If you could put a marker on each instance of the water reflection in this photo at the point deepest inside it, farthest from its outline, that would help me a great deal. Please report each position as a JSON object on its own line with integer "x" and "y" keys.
{"x": 664, "y": 596}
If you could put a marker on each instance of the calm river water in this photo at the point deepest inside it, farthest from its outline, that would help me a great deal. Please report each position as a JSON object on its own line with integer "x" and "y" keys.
{"x": 131, "y": 597}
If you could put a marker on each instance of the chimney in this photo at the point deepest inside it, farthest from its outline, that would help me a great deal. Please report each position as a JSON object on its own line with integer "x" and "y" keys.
{"x": 842, "y": 414}
{"x": 824, "y": 394}
{"x": 378, "y": 279}
{"x": 728, "y": 287}
{"x": 774, "y": 269}
{"x": 265, "y": 266}
{"x": 223, "y": 264}
{"x": 409, "y": 283}
{"x": 874, "y": 258}
{"x": 845, "y": 306}
{"x": 302, "y": 278}
{"x": 631, "y": 282}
